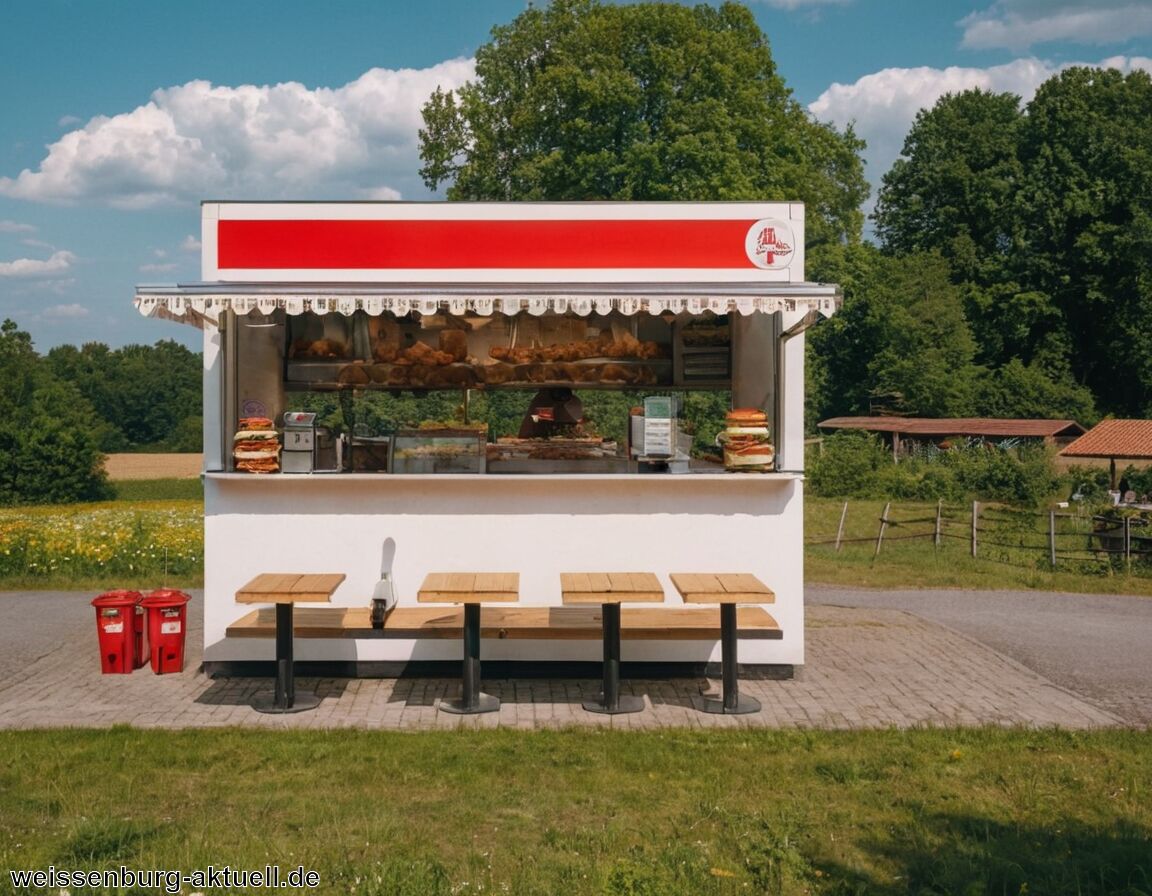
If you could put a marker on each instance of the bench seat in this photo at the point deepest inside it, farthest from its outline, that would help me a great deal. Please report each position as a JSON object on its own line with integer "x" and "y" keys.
{"x": 541, "y": 623}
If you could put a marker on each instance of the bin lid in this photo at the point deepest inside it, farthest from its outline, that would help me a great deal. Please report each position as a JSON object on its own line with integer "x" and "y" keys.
{"x": 116, "y": 599}
{"x": 166, "y": 597}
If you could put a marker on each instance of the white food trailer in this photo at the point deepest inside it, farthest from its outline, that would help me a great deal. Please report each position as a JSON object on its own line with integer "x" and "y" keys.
{"x": 344, "y": 296}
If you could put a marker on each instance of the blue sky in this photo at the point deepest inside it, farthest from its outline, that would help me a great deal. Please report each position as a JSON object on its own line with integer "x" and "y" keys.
{"x": 118, "y": 116}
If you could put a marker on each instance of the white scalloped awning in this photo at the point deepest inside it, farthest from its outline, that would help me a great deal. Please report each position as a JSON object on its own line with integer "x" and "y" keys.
{"x": 202, "y": 303}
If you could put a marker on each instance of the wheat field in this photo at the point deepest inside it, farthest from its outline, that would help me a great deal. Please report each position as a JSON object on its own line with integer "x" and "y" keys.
{"x": 153, "y": 466}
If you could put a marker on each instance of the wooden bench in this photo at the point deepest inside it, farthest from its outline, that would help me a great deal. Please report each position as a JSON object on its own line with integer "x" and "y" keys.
{"x": 470, "y": 589}
{"x": 655, "y": 623}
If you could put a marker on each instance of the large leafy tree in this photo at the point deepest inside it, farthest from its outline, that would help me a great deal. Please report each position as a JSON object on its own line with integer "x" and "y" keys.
{"x": 1085, "y": 209}
{"x": 1045, "y": 217}
{"x": 47, "y": 451}
{"x": 901, "y": 341}
{"x": 146, "y": 396}
{"x": 648, "y": 101}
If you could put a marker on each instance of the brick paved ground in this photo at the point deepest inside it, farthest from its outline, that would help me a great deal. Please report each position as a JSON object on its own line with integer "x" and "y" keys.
{"x": 867, "y": 668}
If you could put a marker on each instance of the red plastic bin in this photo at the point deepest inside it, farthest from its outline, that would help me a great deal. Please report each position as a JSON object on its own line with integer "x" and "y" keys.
{"x": 167, "y": 611}
{"x": 120, "y": 628}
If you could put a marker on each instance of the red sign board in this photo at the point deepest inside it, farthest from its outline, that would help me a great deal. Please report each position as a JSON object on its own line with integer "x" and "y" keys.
{"x": 495, "y": 242}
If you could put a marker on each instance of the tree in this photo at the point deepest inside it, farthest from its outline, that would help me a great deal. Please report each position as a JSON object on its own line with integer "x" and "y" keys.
{"x": 1085, "y": 209}
{"x": 901, "y": 339}
{"x": 47, "y": 451}
{"x": 647, "y": 101}
{"x": 1045, "y": 218}
{"x": 1029, "y": 390}
{"x": 147, "y": 396}
{"x": 953, "y": 187}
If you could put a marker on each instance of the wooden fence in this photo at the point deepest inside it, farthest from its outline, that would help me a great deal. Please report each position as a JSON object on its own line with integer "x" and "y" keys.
{"x": 1012, "y": 535}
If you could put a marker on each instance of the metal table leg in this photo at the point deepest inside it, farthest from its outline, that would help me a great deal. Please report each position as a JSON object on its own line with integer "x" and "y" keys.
{"x": 610, "y": 702}
{"x": 731, "y": 701}
{"x": 284, "y": 698}
{"x": 471, "y": 700}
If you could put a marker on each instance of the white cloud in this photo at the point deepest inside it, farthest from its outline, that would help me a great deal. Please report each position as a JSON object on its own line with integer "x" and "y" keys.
{"x": 158, "y": 268}
{"x": 802, "y": 4}
{"x": 15, "y": 227}
{"x": 1019, "y": 24}
{"x": 60, "y": 262}
{"x": 65, "y": 312}
{"x": 883, "y": 105}
{"x": 252, "y": 142}
{"x": 191, "y": 244}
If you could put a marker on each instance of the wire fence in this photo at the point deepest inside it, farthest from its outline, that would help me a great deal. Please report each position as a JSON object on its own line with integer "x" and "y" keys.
{"x": 1080, "y": 541}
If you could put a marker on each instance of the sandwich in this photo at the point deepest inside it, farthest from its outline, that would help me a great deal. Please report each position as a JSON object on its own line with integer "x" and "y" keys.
{"x": 256, "y": 447}
{"x": 746, "y": 441}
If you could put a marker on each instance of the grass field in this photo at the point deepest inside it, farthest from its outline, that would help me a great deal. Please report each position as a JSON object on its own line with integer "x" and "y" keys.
{"x": 594, "y": 812}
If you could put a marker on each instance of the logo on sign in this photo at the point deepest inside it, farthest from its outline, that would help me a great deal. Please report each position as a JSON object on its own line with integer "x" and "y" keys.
{"x": 769, "y": 244}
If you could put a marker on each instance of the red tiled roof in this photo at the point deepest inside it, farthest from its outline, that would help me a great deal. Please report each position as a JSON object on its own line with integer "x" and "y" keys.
{"x": 958, "y": 426}
{"x": 1114, "y": 438}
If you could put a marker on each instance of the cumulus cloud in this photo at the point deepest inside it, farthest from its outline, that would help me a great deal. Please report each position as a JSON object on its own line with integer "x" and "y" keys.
{"x": 65, "y": 312}
{"x": 58, "y": 264}
{"x": 1019, "y": 24}
{"x": 246, "y": 142}
{"x": 158, "y": 268}
{"x": 882, "y": 106}
{"x": 191, "y": 243}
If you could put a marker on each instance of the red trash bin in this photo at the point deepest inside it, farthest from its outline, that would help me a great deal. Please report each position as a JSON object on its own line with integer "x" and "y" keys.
{"x": 167, "y": 623}
{"x": 120, "y": 627}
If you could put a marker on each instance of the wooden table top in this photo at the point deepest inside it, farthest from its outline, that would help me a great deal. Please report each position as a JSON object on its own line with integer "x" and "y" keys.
{"x": 722, "y": 588}
{"x": 469, "y": 587}
{"x": 290, "y": 588}
{"x": 610, "y": 587}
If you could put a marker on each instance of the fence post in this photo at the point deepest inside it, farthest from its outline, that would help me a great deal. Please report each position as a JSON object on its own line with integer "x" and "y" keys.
{"x": 883, "y": 526}
{"x": 1128, "y": 545}
{"x": 1052, "y": 537}
{"x": 975, "y": 517}
{"x": 840, "y": 531}
{"x": 939, "y": 505}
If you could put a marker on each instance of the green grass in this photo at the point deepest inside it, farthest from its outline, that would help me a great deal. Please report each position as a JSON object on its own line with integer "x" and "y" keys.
{"x": 592, "y": 811}
{"x": 133, "y": 490}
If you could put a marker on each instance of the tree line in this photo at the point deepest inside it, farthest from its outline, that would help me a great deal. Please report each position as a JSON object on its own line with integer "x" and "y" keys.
{"x": 61, "y": 412}
{"x": 1013, "y": 276}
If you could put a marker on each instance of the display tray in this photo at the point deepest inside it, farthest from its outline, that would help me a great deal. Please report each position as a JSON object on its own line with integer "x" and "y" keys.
{"x": 439, "y": 451}
{"x": 587, "y": 373}
{"x": 525, "y": 465}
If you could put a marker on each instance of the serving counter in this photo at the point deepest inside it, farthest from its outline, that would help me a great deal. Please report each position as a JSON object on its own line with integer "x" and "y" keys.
{"x": 539, "y": 526}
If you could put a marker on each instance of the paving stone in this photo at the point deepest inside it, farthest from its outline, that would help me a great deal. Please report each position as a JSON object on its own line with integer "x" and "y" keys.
{"x": 866, "y": 669}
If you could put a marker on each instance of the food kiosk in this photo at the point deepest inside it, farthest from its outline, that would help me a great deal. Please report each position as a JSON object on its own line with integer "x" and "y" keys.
{"x": 348, "y": 299}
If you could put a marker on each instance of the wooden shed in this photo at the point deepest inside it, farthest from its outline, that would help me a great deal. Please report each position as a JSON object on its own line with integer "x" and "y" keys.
{"x": 898, "y": 430}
